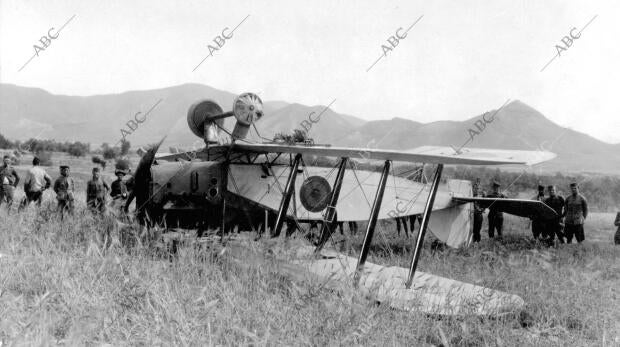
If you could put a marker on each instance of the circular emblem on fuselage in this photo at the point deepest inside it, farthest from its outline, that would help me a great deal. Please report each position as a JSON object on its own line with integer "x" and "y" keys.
{"x": 314, "y": 193}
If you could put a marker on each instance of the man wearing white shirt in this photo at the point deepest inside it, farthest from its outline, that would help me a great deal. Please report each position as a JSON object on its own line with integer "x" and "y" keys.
{"x": 37, "y": 181}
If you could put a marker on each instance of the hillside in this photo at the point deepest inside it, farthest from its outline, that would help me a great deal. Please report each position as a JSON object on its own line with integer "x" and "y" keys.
{"x": 31, "y": 112}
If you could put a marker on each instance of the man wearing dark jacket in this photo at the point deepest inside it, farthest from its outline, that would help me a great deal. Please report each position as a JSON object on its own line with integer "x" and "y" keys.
{"x": 478, "y": 210}
{"x": 554, "y": 226}
{"x": 8, "y": 181}
{"x": 538, "y": 225}
{"x": 496, "y": 218}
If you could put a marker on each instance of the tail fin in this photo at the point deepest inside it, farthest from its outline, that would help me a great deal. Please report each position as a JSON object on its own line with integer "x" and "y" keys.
{"x": 452, "y": 225}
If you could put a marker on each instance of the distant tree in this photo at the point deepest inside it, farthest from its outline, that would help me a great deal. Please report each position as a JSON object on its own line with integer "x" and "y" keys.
{"x": 108, "y": 152}
{"x": 5, "y": 143}
{"x": 125, "y": 146}
{"x": 77, "y": 149}
{"x": 98, "y": 160}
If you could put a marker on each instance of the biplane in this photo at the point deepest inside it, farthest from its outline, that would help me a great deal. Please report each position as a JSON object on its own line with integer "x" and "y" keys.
{"x": 233, "y": 176}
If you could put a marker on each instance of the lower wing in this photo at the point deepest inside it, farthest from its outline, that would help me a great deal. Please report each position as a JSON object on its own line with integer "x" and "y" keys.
{"x": 518, "y": 207}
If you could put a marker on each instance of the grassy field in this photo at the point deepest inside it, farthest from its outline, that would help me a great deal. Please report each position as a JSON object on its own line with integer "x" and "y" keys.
{"x": 60, "y": 284}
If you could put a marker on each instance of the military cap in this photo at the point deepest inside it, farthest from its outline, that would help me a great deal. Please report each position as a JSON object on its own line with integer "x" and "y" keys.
{"x": 550, "y": 186}
{"x": 64, "y": 167}
{"x": 95, "y": 169}
{"x": 574, "y": 184}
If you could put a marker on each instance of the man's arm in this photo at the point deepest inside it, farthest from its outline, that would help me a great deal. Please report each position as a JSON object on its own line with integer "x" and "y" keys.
{"x": 129, "y": 200}
{"x": 48, "y": 180}
{"x": 89, "y": 190}
{"x": 14, "y": 173}
{"x": 56, "y": 185}
{"x": 584, "y": 207}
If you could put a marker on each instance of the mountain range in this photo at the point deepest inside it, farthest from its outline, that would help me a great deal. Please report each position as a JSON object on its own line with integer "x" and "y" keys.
{"x": 31, "y": 112}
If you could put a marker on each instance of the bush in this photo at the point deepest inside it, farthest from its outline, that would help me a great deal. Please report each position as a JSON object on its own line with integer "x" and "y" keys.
{"x": 45, "y": 158}
{"x": 98, "y": 160}
{"x": 125, "y": 145}
{"x": 77, "y": 149}
{"x": 109, "y": 153}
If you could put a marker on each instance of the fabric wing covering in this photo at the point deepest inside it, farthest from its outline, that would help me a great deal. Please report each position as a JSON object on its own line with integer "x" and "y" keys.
{"x": 402, "y": 197}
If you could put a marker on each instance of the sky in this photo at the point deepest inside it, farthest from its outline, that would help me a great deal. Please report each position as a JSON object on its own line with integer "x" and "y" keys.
{"x": 458, "y": 60}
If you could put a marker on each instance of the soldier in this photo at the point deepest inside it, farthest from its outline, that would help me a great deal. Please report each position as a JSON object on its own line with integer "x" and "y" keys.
{"x": 412, "y": 219}
{"x": 8, "y": 181}
{"x": 118, "y": 190}
{"x": 96, "y": 190}
{"x": 404, "y": 221}
{"x": 496, "y": 218}
{"x": 538, "y": 225}
{"x": 617, "y": 223}
{"x": 36, "y": 182}
{"x": 64, "y": 188}
{"x": 353, "y": 228}
{"x": 554, "y": 226}
{"x": 576, "y": 213}
{"x": 478, "y": 218}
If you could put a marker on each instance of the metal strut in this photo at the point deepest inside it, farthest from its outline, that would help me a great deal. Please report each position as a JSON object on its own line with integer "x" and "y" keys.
{"x": 286, "y": 198}
{"x": 372, "y": 221}
{"x": 329, "y": 222}
{"x": 425, "y": 218}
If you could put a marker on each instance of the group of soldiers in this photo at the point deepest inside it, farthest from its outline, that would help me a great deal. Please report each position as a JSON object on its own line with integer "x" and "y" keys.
{"x": 37, "y": 181}
{"x": 571, "y": 213}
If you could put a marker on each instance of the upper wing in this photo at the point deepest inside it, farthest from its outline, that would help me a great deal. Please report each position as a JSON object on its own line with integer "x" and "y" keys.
{"x": 518, "y": 207}
{"x": 427, "y": 154}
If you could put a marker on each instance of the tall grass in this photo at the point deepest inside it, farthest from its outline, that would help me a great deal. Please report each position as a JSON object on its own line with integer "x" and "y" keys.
{"x": 63, "y": 282}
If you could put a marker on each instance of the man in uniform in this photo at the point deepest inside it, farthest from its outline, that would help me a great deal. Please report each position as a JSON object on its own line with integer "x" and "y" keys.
{"x": 36, "y": 182}
{"x": 402, "y": 220}
{"x": 96, "y": 190}
{"x": 477, "y": 214}
{"x": 554, "y": 226}
{"x": 118, "y": 190}
{"x": 576, "y": 213}
{"x": 538, "y": 225}
{"x": 496, "y": 218}
{"x": 64, "y": 188}
{"x": 8, "y": 181}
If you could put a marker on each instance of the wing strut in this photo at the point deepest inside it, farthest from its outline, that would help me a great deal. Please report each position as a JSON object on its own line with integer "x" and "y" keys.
{"x": 425, "y": 218}
{"x": 286, "y": 197}
{"x": 372, "y": 221}
{"x": 329, "y": 223}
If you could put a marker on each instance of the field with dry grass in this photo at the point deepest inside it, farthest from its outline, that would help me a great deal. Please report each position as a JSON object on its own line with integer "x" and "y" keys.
{"x": 63, "y": 282}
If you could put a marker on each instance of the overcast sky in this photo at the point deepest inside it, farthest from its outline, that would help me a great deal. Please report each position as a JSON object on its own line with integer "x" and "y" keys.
{"x": 461, "y": 58}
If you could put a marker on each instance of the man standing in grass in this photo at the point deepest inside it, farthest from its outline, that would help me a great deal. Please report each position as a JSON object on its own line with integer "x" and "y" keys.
{"x": 496, "y": 218}
{"x": 64, "y": 188}
{"x": 118, "y": 190}
{"x": 36, "y": 182}
{"x": 96, "y": 190}
{"x": 478, "y": 210}
{"x": 576, "y": 213}
{"x": 8, "y": 181}
{"x": 538, "y": 225}
{"x": 554, "y": 226}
